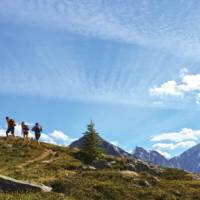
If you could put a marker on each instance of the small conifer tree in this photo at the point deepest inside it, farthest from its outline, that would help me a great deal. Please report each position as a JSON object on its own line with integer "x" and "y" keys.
{"x": 91, "y": 148}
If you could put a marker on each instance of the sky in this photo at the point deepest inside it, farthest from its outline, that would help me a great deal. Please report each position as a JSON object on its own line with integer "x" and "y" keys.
{"x": 131, "y": 66}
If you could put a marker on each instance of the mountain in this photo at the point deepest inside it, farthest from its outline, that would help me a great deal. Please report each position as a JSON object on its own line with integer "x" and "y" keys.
{"x": 189, "y": 160}
{"x": 108, "y": 147}
{"x": 151, "y": 156}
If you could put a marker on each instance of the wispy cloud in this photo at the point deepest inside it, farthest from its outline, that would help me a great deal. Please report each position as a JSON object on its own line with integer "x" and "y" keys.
{"x": 143, "y": 22}
{"x": 56, "y": 71}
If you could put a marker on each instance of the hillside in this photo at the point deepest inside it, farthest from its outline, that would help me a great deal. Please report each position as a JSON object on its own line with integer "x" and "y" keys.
{"x": 60, "y": 168}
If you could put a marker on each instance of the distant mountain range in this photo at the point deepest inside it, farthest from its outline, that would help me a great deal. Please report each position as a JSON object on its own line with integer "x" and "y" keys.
{"x": 188, "y": 160}
{"x": 151, "y": 156}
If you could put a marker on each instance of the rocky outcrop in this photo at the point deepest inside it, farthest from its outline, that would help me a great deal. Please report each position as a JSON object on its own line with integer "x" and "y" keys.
{"x": 8, "y": 184}
{"x": 151, "y": 156}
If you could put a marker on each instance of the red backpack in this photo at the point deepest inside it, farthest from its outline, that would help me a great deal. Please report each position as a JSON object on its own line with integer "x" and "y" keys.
{"x": 12, "y": 122}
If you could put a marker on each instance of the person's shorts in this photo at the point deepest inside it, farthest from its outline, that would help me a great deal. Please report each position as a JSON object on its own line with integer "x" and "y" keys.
{"x": 10, "y": 130}
{"x": 37, "y": 136}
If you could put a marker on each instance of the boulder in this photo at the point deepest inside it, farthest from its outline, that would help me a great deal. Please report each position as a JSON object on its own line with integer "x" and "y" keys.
{"x": 101, "y": 164}
{"x": 142, "y": 166}
{"x": 8, "y": 184}
{"x": 144, "y": 183}
{"x": 129, "y": 173}
{"x": 130, "y": 167}
{"x": 86, "y": 167}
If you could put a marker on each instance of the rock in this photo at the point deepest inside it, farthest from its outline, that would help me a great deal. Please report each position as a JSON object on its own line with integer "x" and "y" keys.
{"x": 142, "y": 166}
{"x": 177, "y": 193}
{"x": 144, "y": 183}
{"x": 101, "y": 164}
{"x": 129, "y": 173}
{"x": 196, "y": 177}
{"x": 86, "y": 167}
{"x": 91, "y": 167}
{"x": 9, "y": 145}
{"x": 8, "y": 184}
{"x": 130, "y": 167}
{"x": 112, "y": 162}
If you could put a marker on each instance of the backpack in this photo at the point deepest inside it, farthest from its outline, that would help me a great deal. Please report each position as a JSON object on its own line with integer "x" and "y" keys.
{"x": 26, "y": 128}
{"x": 12, "y": 122}
{"x": 37, "y": 129}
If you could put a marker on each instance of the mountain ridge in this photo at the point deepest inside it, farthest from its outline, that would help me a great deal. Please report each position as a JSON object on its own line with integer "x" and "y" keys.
{"x": 189, "y": 160}
{"x": 110, "y": 149}
{"x": 183, "y": 161}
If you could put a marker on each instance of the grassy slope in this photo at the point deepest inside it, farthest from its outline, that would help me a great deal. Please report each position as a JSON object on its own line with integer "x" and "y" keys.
{"x": 58, "y": 168}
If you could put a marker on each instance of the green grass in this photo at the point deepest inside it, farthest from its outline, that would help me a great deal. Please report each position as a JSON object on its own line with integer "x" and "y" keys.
{"x": 71, "y": 183}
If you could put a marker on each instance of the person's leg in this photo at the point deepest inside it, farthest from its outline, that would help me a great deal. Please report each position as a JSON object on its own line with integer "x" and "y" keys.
{"x": 23, "y": 136}
{"x": 37, "y": 138}
{"x": 27, "y": 139}
{"x": 12, "y": 130}
{"x": 8, "y": 131}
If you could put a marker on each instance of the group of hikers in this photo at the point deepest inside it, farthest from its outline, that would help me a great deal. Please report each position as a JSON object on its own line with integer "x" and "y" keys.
{"x": 11, "y": 124}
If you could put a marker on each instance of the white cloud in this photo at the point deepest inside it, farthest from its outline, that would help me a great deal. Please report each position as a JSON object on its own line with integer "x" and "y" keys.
{"x": 172, "y": 141}
{"x": 61, "y": 138}
{"x": 165, "y": 154}
{"x": 189, "y": 85}
{"x": 184, "y": 135}
{"x": 168, "y": 88}
{"x": 46, "y": 138}
{"x": 173, "y": 146}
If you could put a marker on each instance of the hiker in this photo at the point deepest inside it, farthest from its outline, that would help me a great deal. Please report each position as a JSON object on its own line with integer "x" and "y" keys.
{"x": 37, "y": 129}
{"x": 11, "y": 126}
{"x": 25, "y": 130}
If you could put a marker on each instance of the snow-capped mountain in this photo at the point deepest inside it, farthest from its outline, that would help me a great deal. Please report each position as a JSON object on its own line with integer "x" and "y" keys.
{"x": 151, "y": 156}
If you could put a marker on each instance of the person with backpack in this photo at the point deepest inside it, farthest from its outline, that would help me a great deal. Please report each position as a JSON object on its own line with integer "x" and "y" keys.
{"x": 25, "y": 131}
{"x": 37, "y": 129}
{"x": 10, "y": 126}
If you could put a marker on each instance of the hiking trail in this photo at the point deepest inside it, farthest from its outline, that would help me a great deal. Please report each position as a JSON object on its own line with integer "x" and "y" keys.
{"x": 45, "y": 154}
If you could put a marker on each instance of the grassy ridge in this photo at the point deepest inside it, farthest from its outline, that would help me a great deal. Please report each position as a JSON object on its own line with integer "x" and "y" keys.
{"x": 58, "y": 167}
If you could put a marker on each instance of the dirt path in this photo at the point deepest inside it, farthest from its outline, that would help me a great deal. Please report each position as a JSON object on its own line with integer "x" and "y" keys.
{"x": 41, "y": 158}
{"x": 45, "y": 154}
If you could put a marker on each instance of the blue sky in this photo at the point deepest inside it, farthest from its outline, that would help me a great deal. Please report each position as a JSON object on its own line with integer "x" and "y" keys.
{"x": 130, "y": 66}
